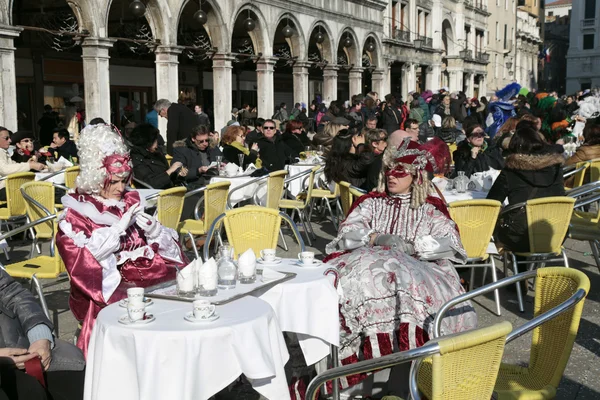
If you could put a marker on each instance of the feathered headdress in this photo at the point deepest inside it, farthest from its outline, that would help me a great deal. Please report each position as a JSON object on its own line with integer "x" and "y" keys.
{"x": 508, "y": 92}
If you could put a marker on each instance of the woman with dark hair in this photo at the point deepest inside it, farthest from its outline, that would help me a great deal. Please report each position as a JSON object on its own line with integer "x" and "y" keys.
{"x": 346, "y": 161}
{"x": 476, "y": 153}
{"x": 591, "y": 146}
{"x": 295, "y": 137}
{"x": 149, "y": 163}
{"x": 533, "y": 170}
{"x": 233, "y": 145}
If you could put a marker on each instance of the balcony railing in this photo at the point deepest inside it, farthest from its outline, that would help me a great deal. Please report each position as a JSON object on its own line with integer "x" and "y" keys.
{"x": 588, "y": 22}
{"x": 427, "y": 41}
{"x": 482, "y": 57}
{"x": 403, "y": 36}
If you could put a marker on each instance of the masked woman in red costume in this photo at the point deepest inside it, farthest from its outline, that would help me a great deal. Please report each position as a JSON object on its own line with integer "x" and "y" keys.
{"x": 395, "y": 253}
{"x": 105, "y": 239}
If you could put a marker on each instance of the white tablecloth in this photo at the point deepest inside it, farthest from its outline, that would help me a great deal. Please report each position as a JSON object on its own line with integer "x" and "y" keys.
{"x": 171, "y": 358}
{"x": 58, "y": 179}
{"x": 308, "y": 306}
{"x": 295, "y": 187}
{"x": 243, "y": 194}
{"x": 453, "y": 195}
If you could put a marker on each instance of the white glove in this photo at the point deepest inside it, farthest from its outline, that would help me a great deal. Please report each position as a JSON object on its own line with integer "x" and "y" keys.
{"x": 126, "y": 219}
{"x": 148, "y": 224}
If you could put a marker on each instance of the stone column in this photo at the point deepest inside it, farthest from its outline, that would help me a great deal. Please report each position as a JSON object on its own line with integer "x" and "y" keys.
{"x": 437, "y": 11}
{"x": 379, "y": 80}
{"x": 222, "y": 89}
{"x": 482, "y": 85}
{"x": 329, "y": 84}
{"x": 96, "y": 77}
{"x": 8, "y": 80}
{"x": 432, "y": 79}
{"x": 470, "y": 84}
{"x": 404, "y": 77}
{"x": 455, "y": 83}
{"x": 412, "y": 80}
{"x": 300, "y": 74}
{"x": 167, "y": 79}
{"x": 355, "y": 80}
{"x": 265, "y": 87}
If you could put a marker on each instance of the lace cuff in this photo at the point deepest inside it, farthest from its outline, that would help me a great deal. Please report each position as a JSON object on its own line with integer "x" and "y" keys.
{"x": 167, "y": 244}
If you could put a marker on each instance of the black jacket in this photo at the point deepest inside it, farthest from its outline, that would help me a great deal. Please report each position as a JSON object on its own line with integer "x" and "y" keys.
{"x": 295, "y": 142}
{"x": 230, "y": 154}
{"x": 275, "y": 154}
{"x": 373, "y": 172}
{"x": 189, "y": 155}
{"x": 19, "y": 312}
{"x": 203, "y": 119}
{"x": 68, "y": 149}
{"x": 181, "y": 122}
{"x": 526, "y": 177}
{"x": 490, "y": 158}
{"x": 449, "y": 135}
{"x": 151, "y": 168}
{"x": 253, "y": 137}
{"x": 391, "y": 118}
{"x": 351, "y": 168}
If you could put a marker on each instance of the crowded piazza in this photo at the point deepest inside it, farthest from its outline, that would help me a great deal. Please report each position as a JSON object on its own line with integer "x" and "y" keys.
{"x": 301, "y": 199}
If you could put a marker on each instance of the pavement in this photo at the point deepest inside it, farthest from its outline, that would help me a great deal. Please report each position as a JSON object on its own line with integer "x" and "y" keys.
{"x": 581, "y": 380}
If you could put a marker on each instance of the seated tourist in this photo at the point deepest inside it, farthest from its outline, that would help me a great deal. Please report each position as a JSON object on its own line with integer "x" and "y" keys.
{"x": 477, "y": 154}
{"x": 63, "y": 146}
{"x": 233, "y": 145}
{"x": 376, "y": 142}
{"x": 196, "y": 155}
{"x": 590, "y": 149}
{"x": 24, "y": 148}
{"x": 274, "y": 153}
{"x": 26, "y": 333}
{"x": 295, "y": 137}
{"x": 449, "y": 132}
{"x": 347, "y": 161}
{"x": 533, "y": 170}
{"x": 325, "y": 137}
{"x": 392, "y": 285}
{"x": 107, "y": 242}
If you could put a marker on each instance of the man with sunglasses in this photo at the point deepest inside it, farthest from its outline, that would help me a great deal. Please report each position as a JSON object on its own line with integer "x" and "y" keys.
{"x": 477, "y": 153}
{"x": 274, "y": 153}
{"x": 195, "y": 154}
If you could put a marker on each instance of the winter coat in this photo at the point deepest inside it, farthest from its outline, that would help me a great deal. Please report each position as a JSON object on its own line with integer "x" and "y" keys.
{"x": 233, "y": 150}
{"x": 391, "y": 118}
{"x": 526, "y": 177}
{"x": 418, "y": 114}
{"x": 584, "y": 153}
{"x": 323, "y": 139}
{"x": 275, "y": 153}
{"x": 373, "y": 172}
{"x": 297, "y": 143}
{"x": 67, "y": 150}
{"x": 203, "y": 119}
{"x": 485, "y": 160}
{"x": 190, "y": 156}
{"x": 458, "y": 109}
{"x": 427, "y": 131}
{"x": 450, "y": 135}
{"x": 181, "y": 122}
{"x": 425, "y": 107}
{"x": 151, "y": 168}
{"x": 247, "y": 117}
{"x": 353, "y": 168}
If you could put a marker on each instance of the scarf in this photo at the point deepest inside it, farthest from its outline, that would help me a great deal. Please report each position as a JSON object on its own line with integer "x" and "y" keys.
{"x": 243, "y": 149}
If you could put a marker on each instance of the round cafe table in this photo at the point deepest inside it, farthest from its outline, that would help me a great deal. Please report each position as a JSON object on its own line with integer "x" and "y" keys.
{"x": 171, "y": 358}
{"x": 453, "y": 195}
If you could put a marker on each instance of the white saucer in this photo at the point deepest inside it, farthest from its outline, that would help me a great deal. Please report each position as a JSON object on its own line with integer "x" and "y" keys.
{"x": 190, "y": 317}
{"x": 147, "y": 302}
{"x": 126, "y": 321}
{"x": 277, "y": 260}
{"x": 316, "y": 263}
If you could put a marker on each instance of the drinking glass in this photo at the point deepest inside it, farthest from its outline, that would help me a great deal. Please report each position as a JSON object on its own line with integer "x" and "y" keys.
{"x": 241, "y": 160}
{"x": 219, "y": 162}
{"x": 320, "y": 150}
{"x": 185, "y": 284}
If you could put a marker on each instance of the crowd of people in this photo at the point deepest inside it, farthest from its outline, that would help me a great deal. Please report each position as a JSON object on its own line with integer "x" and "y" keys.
{"x": 391, "y": 283}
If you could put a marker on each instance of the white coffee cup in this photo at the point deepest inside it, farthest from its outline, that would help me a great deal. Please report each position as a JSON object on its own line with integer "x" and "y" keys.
{"x": 268, "y": 254}
{"x": 307, "y": 257}
{"x": 135, "y": 295}
{"x": 203, "y": 309}
{"x": 136, "y": 311}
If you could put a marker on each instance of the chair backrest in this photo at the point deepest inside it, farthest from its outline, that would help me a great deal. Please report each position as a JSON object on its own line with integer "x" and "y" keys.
{"x": 169, "y": 206}
{"x": 467, "y": 364}
{"x": 275, "y": 184}
{"x": 452, "y": 147}
{"x": 595, "y": 170}
{"x": 40, "y": 192}
{"x": 552, "y": 342}
{"x": 548, "y": 221}
{"x": 345, "y": 197}
{"x": 71, "y": 174}
{"x": 169, "y": 159}
{"x": 356, "y": 193}
{"x": 579, "y": 176}
{"x": 15, "y": 203}
{"x": 311, "y": 184}
{"x": 476, "y": 220}
{"x": 252, "y": 227}
{"x": 215, "y": 201}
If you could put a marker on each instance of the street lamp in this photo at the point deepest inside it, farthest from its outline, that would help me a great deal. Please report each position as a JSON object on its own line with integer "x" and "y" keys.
{"x": 137, "y": 8}
{"x": 508, "y": 64}
{"x": 485, "y": 57}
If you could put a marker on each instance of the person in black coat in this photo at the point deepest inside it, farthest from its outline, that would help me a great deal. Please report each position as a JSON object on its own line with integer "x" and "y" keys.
{"x": 195, "y": 154}
{"x": 391, "y": 116}
{"x": 533, "y": 170}
{"x": 181, "y": 121}
{"x": 62, "y": 145}
{"x": 253, "y": 136}
{"x": 149, "y": 163}
{"x": 348, "y": 161}
{"x": 233, "y": 146}
{"x": 295, "y": 137}
{"x": 274, "y": 152}
{"x": 202, "y": 116}
{"x": 476, "y": 153}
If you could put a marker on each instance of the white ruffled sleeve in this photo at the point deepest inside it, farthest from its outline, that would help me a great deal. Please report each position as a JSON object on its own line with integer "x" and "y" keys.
{"x": 355, "y": 231}
{"x": 167, "y": 244}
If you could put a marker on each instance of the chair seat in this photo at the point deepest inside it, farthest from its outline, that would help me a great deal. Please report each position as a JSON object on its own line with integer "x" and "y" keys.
{"x": 584, "y": 232}
{"x": 584, "y": 218}
{"x": 286, "y": 203}
{"x": 515, "y": 382}
{"x": 323, "y": 194}
{"x": 193, "y": 226}
{"x": 46, "y": 270}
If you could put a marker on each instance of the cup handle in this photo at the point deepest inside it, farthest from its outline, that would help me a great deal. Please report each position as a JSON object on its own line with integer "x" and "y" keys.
{"x": 261, "y": 254}
{"x": 212, "y": 309}
{"x": 299, "y": 258}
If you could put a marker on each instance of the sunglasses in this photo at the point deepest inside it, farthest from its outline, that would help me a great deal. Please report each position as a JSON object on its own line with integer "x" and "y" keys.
{"x": 5, "y": 137}
{"x": 268, "y": 127}
{"x": 202, "y": 141}
{"x": 27, "y": 140}
{"x": 477, "y": 134}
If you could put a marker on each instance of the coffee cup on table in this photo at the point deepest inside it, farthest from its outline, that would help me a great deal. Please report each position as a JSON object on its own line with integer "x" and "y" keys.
{"x": 203, "y": 309}
{"x": 136, "y": 311}
{"x": 307, "y": 257}
{"x": 268, "y": 254}
{"x": 135, "y": 295}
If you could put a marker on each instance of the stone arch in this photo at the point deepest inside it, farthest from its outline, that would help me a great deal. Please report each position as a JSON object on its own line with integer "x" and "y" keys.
{"x": 260, "y": 35}
{"x": 377, "y": 55}
{"x": 448, "y": 38}
{"x": 297, "y": 43}
{"x": 327, "y": 48}
{"x": 82, "y": 10}
{"x": 215, "y": 26}
{"x": 353, "y": 53}
{"x": 158, "y": 14}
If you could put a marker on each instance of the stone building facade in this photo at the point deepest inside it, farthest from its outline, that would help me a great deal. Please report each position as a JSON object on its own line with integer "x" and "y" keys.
{"x": 583, "y": 58}
{"x": 337, "y": 48}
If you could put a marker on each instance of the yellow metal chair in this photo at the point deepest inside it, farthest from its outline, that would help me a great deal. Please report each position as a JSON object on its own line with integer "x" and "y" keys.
{"x": 15, "y": 203}
{"x": 559, "y": 298}
{"x": 302, "y": 204}
{"x": 275, "y": 187}
{"x": 169, "y": 159}
{"x": 476, "y": 220}
{"x": 462, "y": 366}
{"x": 251, "y": 227}
{"x": 39, "y": 203}
{"x": 548, "y": 221}
{"x": 169, "y": 206}
{"x": 595, "y": 170}
{"x": 578, "y": 173}
{"x": 215, "y": 199}
{"x": 452, "y": 147}
{"x": 326, "y": 195}
{"x": 71, "y": 175}
{"x": 346, "y": 198}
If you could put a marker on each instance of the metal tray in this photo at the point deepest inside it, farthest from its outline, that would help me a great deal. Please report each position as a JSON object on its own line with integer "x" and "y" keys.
{"x": 266, "y": 285}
